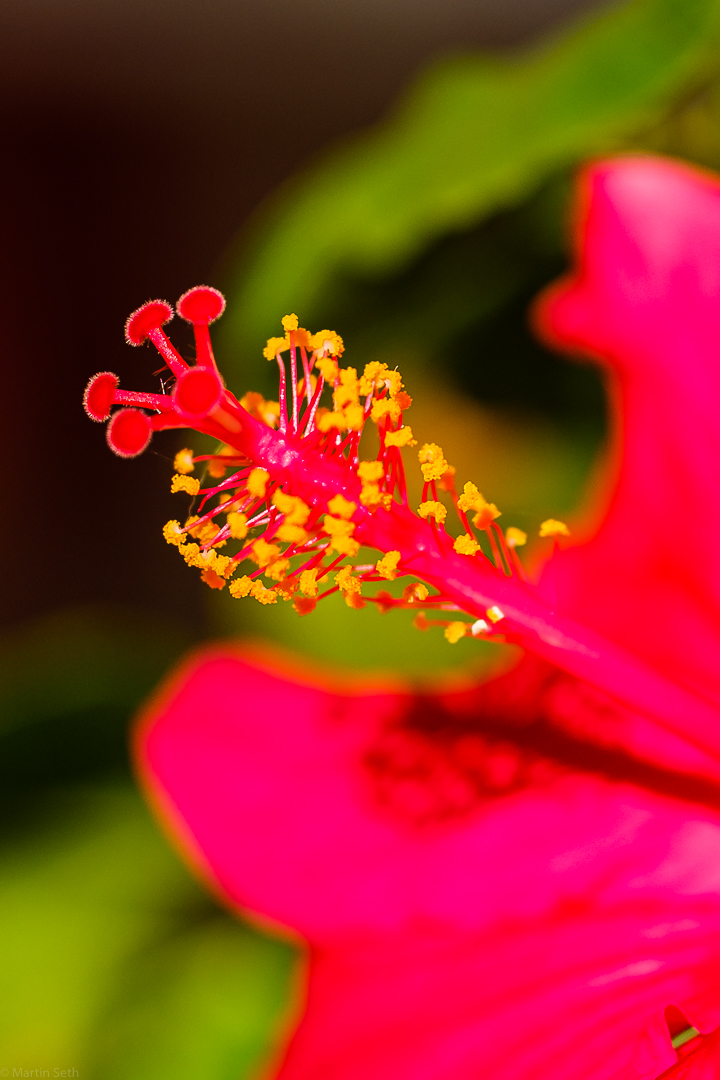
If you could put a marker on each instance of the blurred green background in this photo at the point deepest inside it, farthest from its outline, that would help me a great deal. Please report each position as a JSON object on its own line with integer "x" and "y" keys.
{"x": 408, "y": 188}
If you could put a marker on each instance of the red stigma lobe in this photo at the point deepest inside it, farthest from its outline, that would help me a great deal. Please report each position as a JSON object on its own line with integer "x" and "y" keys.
{"x": 129, "y": 432}
{"x": 150, "y": 316}
{"x": 99, "y": 395}
{"x": 202, "y": 304}
{"x": 197, "y": 393}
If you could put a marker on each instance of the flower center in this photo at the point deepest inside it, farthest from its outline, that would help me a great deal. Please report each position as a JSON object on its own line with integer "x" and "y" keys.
{"x": 286, "y": 499}
{"x": 287, "y": 490}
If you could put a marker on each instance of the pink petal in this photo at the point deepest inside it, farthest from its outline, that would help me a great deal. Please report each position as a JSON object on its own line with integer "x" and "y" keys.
{"x": 646, "y": 301}
{"x": 538, "y": 927}
{"x": 701, "y": 1063}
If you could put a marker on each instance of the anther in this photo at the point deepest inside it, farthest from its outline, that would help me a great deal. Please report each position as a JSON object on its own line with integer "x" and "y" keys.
{"x": 554, "y": 528}
{"x": 129, "y": 432}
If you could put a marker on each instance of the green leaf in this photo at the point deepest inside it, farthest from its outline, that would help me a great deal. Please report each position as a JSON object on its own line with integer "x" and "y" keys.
{"x": 115, "y": 963}
{"x": 69, "y": 683}
{"x": 475, "y": 135}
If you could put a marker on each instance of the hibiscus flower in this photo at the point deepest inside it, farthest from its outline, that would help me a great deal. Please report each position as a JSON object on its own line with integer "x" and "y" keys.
{"x": 519, "y": 879}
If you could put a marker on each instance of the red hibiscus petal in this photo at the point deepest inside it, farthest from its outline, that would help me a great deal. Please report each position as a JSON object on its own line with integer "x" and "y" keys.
{"x": 701, "y": 1063}
{"x": 538, "y": 925}
{"x": 645, "y": 300}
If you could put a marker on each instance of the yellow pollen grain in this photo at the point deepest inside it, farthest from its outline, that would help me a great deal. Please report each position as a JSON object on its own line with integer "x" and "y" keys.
{"x": 403, "y": 437}
{"x": 387, "y": 566}
{"x": 354, "y": 417}
{"x": 263, "y": 595}
{"x": 485, "y": 517}
{"x": 216, "y": 469}
{"x": 433, "y": 509}
{"x": 189, "y": 552}
{"x": 289, "y": 322}
{"x": 328, "y": 368}
{"x": 347, "y": 390}
{"x": 240, "y": 587}
{"x": 252, "y": 402}
{"x": 238, "y": 525}
{"x": 495, "y": 614}
{"x": 342, "y": 507}
{"x": 308, "y": 582}
{"x": 205, "y": 559}
{"x": 454, "y": 632}
{"x": 432, "y": 462}
{"x": 372, "y": 497}
{"x": 292, "y": 534}
{"x": 329, "y": 420}
{"x": 551, "y": 527}
{"x": 471, "y": 499}
{"x": 393, "y": 381}
{"x": 344, "y": 545}
{"x": 327, "y": 342}
{"x": 183, "y": 462}
{"x": 385, "y": 407}
{"x": 224, "y": 566}
{"x": 173, "y": 533}
{"x": 265, "y": 411}
{"x": 372, "y": 377}
{"x": 206, "y": 532}
{"x": 257, "y": 483}
{"x": 515, "y": 537}
{"x": 277, "y": 570}
{"x": 415, "y": 593}
{"x": 466, "y": 545}
{"x": 338, "y": 526}
{"x": 372, "y": 471}
{"x": 274, "y": 346}
{"x": 264, "y": 553}
{"x": 185, "y": 483}
{"x": 296, "y": 511}
{"x": 271, "y": 413}
{"x": 346, "y": 581}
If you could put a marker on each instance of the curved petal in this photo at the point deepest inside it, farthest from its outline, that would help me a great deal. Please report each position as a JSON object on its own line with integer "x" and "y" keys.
{"x": 645, "y": 300}
{"x": 461, "y": 896}
{"x": 701, "y": 1063}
